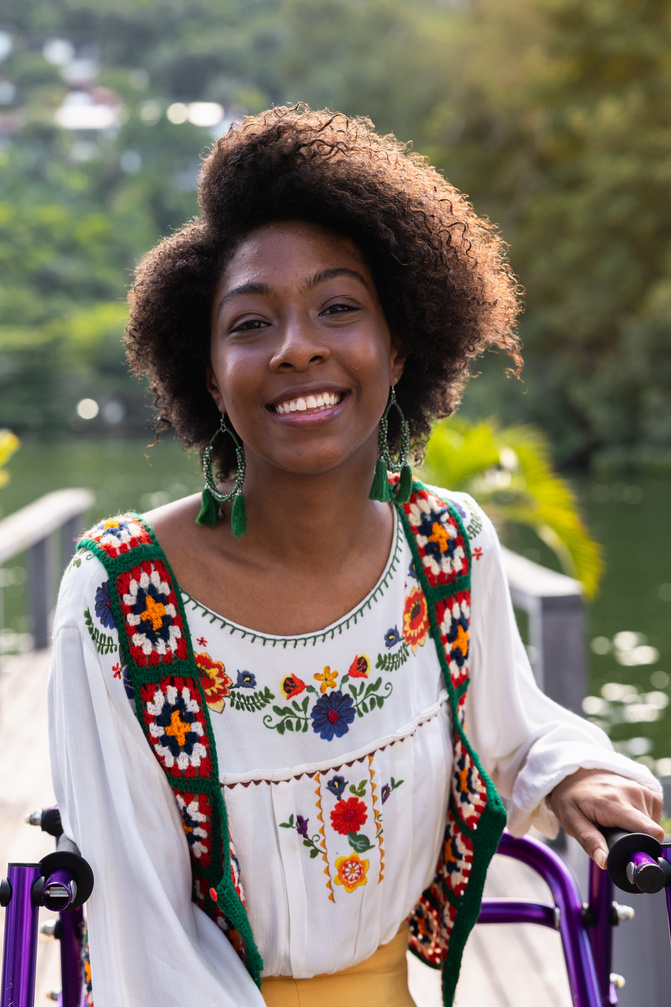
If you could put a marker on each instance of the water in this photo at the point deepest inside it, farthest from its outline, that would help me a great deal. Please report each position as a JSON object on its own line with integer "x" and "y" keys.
{"x": 629, "y": 622}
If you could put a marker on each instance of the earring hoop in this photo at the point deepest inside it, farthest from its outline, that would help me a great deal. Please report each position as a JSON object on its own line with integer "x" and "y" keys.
{"x": 381, "y": 490}
{"x": 212, "y": 497}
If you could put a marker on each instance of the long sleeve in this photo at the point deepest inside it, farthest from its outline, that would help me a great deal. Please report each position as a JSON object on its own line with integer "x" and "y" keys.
{"x": 526, "y": 742}
{"x": 117, "y": 806}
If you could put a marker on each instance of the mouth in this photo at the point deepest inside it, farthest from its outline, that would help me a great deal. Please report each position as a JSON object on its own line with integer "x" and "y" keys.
{"x": 315, "y": 402}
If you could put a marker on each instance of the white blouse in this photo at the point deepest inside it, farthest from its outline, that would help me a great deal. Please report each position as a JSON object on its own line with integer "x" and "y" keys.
{"x": 334, "y": 754}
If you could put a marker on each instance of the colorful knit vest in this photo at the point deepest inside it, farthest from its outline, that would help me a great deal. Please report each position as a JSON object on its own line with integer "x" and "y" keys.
{"x": 172, "y": 709}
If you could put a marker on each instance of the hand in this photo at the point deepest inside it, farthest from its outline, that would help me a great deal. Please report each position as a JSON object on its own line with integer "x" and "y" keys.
{"x": 592, "y": 797}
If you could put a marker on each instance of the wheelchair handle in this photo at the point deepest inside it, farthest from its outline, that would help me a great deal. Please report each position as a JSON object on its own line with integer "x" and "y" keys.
{"x": 635, "y": 863}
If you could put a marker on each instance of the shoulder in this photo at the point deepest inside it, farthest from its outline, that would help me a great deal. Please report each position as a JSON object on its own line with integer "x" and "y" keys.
{"x": 84, "y": 592}
{"x": 479, "y": 529}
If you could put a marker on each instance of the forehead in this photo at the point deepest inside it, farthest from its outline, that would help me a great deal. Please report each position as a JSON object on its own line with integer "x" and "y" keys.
{"x": 291, "y": 250}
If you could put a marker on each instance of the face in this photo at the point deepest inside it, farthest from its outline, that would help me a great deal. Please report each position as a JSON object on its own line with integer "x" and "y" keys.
{"x": 301, "y": 355}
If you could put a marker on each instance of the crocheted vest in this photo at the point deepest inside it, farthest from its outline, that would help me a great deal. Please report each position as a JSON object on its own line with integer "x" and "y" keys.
{"x": 172, "y": 709}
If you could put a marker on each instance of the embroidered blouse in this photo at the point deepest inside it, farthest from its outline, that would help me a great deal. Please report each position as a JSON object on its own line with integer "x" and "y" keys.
{"x": 335, "y": 757}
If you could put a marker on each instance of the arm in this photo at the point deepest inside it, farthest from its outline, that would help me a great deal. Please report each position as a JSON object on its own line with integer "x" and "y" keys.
{"x": 149, "y": 944}
{"x": 531, "y": 746}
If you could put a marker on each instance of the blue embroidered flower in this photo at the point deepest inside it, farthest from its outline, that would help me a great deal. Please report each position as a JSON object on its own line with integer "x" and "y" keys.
{"x": 331, "y": 715}
{"x": 246, "y": 680}
{"x": 337, "y": 786}
{"x": 411, "y": 570}
{"x": 302, "y": 825}
{"x": 104, "y": 605}
{"x": 392, "y": 637}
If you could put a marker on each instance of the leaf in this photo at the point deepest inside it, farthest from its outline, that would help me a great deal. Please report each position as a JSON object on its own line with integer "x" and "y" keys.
{"x": 359, "y": 842}
{"x": 314, "y": 853}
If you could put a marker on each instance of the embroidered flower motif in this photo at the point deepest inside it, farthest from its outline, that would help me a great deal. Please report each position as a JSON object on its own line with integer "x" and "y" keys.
{"x": 337, "y": 785}
{"x": 214, "y": 680}
{"x": 415, "y": 619}
{"x": 119, "y": 534}
{"x": 302, "y": 825}
{"x": 103, "y": 605}
{"x": 411, "y": 570}
{"x": 246, "y": 680}
{"x": 477, "y": 553}
{"x": 150, "y": 610}
{"x": 385, "y": 792}
{"x": 331, "y": 715}
{"x": 349, "y": 816}
{"x": 359, "y": 667}
{"x": 292, "y": 686}
{"x": 392, "y": 637}
{"x": 193, "y": 820}
{"x": 351, "y": 871}
{"x": 327, "y": 678}
{"x": 116, "y": 669}
{"x": 201, "y": 641}
{"x": 176, "y": 728}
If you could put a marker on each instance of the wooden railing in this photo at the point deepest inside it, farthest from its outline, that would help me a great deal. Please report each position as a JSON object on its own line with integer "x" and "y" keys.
{"x": 34, "y": 528}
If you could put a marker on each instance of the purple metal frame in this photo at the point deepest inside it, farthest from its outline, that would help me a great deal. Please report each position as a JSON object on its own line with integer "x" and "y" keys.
{"x": 586, "y": 951}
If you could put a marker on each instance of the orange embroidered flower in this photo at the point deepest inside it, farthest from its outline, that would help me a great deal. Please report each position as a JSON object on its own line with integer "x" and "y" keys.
{"x": 327, "y": 678}
{"x": 351, "y": 871}
{"x": 214, "y": 680}
{"x": 415, "y": 619}
{"x": 292, "y": 686}
{"x": 348, "y": 816}
{"x": 359, "y": 667}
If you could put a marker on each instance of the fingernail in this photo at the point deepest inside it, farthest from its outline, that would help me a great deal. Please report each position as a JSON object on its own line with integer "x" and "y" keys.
{"x": 600, "y": 858}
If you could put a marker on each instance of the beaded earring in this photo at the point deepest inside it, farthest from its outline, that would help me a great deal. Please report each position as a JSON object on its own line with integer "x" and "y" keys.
{"x": 212, "y": 497}
{"x": 380, "y": 490}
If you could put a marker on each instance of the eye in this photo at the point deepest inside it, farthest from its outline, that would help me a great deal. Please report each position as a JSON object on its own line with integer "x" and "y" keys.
{"x": 249, "y": 325}
{"x": 339, "y": 309}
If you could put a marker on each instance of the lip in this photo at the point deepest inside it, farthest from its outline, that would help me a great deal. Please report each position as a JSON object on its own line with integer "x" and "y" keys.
{"x": 308, "y": 416}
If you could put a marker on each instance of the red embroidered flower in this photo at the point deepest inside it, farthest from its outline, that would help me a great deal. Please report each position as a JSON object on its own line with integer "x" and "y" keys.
{"x": 214, "y": 680}
{"x": 359, "y": 667}
{"x": 477, "y": 553}
{"x": 292, "y": 686}
{"x": 415, "y": 619}
{"x": 348, "y": 816}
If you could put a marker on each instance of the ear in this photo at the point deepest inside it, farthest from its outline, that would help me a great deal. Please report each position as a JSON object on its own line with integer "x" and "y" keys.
{"x": 397, "y": 359}
{"x": 214, "y": 389}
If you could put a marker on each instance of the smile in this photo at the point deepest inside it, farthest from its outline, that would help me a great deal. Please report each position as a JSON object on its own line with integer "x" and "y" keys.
{"x": 309, "y": 403}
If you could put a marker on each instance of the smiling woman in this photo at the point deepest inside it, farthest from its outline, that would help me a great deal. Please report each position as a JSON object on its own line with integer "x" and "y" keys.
{"x": 313, "y": 624}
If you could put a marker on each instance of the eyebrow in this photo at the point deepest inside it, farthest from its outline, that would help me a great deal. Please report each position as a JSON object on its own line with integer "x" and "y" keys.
{"x": 263, "y": 288}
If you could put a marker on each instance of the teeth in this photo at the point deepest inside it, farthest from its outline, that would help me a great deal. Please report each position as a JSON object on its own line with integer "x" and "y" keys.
{"x": 323, "y": 400}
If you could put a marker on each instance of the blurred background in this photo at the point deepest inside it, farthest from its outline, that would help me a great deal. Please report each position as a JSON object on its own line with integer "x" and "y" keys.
{"x": 553, "y": 115}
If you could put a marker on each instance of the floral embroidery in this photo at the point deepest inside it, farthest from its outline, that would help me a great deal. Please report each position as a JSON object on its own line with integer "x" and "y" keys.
{"x": 116, "y": 669}
{"x": 300, "y": 824}
{"x": 477, "y": 553}
{"x": 103, "y": 606}
{"x": 292, "y": 686}
{"x": 201, "y": 641}
{"x": 351, "y": 871}
{"x": 214, "y": 680}
{"x": 392, "y": 637}
{"x": 359, "y": 667}
{"x": 104, "y": 644}
{"x": 327, "y": 678}
{"x": 393, "y": 660}
{"x": 348, "y": 816}
{"x": 246, "y": 680}
{"x": 331, "y": 715}
{"x": 337, "y": 785}
{"x": 387, "y": 789}
{"x": 415, "y": 619}
{"x": 176, "y": 726}
{"x": 153, "y": 624}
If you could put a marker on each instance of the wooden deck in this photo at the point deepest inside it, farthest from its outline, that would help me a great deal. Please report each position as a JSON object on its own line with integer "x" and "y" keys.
{"x": 518, "y": 966}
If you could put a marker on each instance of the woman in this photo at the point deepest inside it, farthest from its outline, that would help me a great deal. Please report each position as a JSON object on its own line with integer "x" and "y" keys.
{"x": 300, "y": 640}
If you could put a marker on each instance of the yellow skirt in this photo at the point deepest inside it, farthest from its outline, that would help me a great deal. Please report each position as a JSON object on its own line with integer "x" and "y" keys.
{"x": 379, "y": 981}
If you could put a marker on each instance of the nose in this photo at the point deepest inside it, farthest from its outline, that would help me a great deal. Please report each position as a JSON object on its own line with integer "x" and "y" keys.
{"x": 300, "y": 345}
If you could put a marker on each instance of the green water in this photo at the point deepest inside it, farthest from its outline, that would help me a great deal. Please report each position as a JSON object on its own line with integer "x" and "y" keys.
{"x": 629, "y": 622}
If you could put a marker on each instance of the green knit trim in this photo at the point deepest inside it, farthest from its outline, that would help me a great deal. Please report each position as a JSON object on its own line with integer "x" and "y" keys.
{"x": 493, "y": 819}
{"x": 218, "y": 875}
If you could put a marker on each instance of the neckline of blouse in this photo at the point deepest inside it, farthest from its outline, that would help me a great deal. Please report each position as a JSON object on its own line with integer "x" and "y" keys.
{"x": 330, "y": 631}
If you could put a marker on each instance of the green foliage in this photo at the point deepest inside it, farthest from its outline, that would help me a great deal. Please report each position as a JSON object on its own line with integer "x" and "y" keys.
{"x": 509, "y": 472}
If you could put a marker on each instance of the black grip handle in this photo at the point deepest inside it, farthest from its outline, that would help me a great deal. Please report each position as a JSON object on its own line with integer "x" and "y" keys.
{"x": 67, "y": 856}
{"x": 622, "y": 846}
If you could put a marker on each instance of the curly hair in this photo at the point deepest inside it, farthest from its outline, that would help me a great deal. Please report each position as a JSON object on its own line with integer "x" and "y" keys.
{"x": 441, "y": 271}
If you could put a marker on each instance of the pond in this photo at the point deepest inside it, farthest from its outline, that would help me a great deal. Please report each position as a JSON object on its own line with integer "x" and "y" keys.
{"x": 629, "y": 621}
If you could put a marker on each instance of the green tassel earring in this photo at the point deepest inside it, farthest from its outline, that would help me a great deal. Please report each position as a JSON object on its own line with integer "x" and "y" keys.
{"x": 212, "y": 497}
{"x": 381, "y": 490}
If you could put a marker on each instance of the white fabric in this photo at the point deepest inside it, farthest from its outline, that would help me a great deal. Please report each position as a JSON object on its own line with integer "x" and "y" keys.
{"x": 146, "y": 936}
